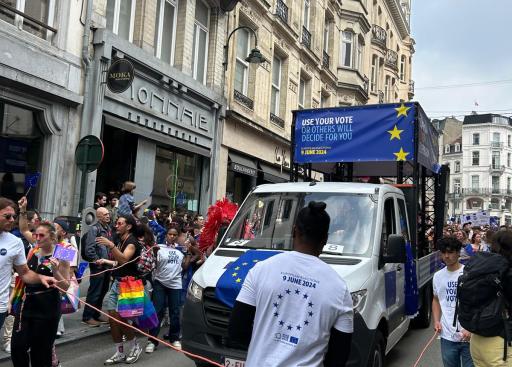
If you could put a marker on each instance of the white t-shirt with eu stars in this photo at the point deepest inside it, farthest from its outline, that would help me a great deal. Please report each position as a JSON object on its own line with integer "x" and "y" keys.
{"x": 12, "y": 253}
{"x": 298, "y": 299}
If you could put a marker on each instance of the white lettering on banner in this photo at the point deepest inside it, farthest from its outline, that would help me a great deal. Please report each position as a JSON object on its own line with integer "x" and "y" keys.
{"x": 327, "y": 129}
{"x": 328, "y": 121}
{"x": 175, "y": 110}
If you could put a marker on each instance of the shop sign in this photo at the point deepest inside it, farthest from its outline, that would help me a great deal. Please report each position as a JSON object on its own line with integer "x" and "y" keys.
{"x": 243, "y": 169}
{"x": 120, "y": 76}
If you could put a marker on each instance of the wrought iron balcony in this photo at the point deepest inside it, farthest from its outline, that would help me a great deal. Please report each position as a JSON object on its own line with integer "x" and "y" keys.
{"x": 379, "y": 35}
{"x": 496, "y": 144}
{"x": 411, "y": 86}
{"x": 325, "y": 60}
{"x": 391, "y": 59}
{"x": 381, "y": 96}
{"x": 496, "y": 168}
{"x": 243, "y": 99}
{"x": 306, "y": 37}
{"x": 276, "y": 120}
{"x": 282, "y": 11}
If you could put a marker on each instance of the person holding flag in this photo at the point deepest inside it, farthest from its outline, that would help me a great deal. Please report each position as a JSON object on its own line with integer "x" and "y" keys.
{"x": 294, "y": 309}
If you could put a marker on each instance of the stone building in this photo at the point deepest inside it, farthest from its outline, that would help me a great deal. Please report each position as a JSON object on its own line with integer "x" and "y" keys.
{"x": 320, "y": 53}
{"x": 479, "y": 153}
{"x": 40, "y": 75}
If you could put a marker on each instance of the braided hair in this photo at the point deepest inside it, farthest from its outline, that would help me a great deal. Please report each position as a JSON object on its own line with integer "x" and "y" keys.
{"x": 313, "y": 222}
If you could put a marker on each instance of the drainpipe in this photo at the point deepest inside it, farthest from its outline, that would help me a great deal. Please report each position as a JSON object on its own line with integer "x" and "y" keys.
{"x": 85, "y": 107}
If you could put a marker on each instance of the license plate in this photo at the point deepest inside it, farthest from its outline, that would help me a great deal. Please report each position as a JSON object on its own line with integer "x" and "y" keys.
{"x": 230, "y": 362}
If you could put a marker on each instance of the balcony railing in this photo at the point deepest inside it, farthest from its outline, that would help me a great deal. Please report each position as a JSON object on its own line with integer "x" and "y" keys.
{"x": 496, "y": 168}
{"x": 479, "y": 191}
{"x": 276, "y": 120}
{"x": 325, "y": 60}
{"x": 391, "y": 59}
{"x": 381, "y": 96}
{"x": 306, "y": 37}
{"x": 379, "y": 35}
{"x": 35, "y": 26}
{"x": 366, "y": 84}
{"x": 244, "y": 100}
{"x": 411, "y": 86}
{"x": 496, "y": 144}
{"x": 282, "y": 11}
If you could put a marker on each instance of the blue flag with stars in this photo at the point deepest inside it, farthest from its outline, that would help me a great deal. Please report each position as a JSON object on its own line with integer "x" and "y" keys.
{"x": 230, "y": 282}
{"x": 382, "y": 132}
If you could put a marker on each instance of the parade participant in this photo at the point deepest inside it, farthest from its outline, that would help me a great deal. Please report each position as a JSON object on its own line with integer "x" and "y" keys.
{"x": 13, "y": 255}
{"x": 156, "y": 228}
{"x": 126, "y": 250}
{"x": 454, "y": 340}
{"x": 167, "y": 285}
{"x": 98, "y": 284}
{"x": 314, "y": 320}
{"x": 36, "y": 321}
{"x": 127, "y": 204}
{"x": 100, "y": 200}
{"x": 113, "y": 207}
{"x": 493, "y": 351}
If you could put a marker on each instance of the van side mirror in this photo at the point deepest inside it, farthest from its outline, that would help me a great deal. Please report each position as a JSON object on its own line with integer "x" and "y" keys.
{"x": 395, "y": 249}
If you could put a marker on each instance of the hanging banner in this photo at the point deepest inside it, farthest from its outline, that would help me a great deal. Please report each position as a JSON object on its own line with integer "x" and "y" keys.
{"x": 362, "y": 133}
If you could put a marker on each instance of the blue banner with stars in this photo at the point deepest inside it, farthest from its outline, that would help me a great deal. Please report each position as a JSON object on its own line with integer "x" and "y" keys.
{"x": 230, "y": 282}
{"x": 350, "y": 134}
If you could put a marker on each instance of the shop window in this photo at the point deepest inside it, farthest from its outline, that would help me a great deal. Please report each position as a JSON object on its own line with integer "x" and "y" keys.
{"x": 165, "y": 31}
{"x": 21, "y": 143}
{"x": 120, "y": 18}
{"x": 200, "y": 42}
{"x": 41, "y": 10}
{"x": 175, "y": 183}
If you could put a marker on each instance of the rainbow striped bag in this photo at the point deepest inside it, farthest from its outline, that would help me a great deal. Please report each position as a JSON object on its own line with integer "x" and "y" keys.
{"x": 149, "y": 320}
{"x": 130, "y": 303}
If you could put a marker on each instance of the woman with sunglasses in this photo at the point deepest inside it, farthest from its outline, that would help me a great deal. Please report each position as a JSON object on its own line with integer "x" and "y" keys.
{"x": 36, "y": 321}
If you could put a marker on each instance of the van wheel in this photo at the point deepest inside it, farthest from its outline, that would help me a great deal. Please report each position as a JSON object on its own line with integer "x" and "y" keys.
{"x": 422, "y": 321}
{"x": 376, "y": 358}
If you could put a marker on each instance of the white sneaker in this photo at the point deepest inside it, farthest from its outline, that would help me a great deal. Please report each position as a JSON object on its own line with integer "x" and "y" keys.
{"x": 150, "y": 347}
{"x": 115, "y": 359}
{"x": 8, "y": 348}
{"x": 134, "y": 354}
{"x": 176, "y": 344}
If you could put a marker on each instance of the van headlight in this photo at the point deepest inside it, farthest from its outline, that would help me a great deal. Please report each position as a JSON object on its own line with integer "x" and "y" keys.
{"x": 358, "y": 300}
{"x": 195, "y": 292}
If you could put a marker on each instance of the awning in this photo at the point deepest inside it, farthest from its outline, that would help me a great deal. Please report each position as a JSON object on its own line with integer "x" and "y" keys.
{"x": 274, "y": 174}
{"x": 241, "y": 164}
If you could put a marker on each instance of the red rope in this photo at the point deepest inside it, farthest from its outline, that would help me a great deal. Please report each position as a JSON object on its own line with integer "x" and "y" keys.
{"x": 425, "y": 349}
{"x": 144, "y": 333}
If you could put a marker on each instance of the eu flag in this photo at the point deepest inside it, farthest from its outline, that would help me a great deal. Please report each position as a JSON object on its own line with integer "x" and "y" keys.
{"x": 230, "y": 282}
{"x": 351, "y": 134}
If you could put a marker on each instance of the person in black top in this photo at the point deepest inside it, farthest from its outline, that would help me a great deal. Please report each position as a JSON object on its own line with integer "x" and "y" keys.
{"x": 126, "y": 250}
{"x": 35, "y": 325}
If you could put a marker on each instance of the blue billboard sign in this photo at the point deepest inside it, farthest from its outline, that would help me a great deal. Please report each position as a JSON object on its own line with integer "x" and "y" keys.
{"x": 350, "y": 134}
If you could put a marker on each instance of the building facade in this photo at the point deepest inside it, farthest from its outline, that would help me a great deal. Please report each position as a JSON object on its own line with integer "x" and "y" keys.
{"x": 480, "y": 158}
{"x": 40, "y": 99}
{"x": 161, "y": 131}
{"x": 318, "y": 54}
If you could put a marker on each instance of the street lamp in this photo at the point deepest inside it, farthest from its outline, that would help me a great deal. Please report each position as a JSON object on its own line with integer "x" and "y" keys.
{"x": 254, "y": 57}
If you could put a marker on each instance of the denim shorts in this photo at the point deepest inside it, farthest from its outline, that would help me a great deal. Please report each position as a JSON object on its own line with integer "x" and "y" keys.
{"x": 113, "y": 296}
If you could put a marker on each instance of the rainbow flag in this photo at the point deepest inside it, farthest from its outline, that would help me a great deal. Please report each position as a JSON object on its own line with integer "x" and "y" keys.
{"x": 149, "y": 320}
{"x": 19, "y": 287}
{"x": 131, "y": 298}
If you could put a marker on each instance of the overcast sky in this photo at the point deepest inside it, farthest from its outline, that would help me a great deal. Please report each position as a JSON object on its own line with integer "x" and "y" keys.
{"x": 461, "y": 42}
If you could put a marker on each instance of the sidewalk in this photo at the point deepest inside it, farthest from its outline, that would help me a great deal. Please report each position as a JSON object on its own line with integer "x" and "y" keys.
{"x": 74, "y": 329}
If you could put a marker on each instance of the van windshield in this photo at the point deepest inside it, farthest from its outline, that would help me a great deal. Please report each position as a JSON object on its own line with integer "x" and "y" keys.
{"x": 266, "y": 220}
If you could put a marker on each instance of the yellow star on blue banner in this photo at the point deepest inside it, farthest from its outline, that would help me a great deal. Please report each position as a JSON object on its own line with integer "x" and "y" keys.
{"x": 402, "y": 110}
{"x": 401, "y": 155}
{"x": 395, "y": 133}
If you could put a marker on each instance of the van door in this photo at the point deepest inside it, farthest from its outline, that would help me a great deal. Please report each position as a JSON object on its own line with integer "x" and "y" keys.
{"x": 393, "y": 272}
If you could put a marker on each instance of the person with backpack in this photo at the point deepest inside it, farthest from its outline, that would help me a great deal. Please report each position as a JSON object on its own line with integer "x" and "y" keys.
{"x": 167, "y": 285}
{"x": 454, "y": 339}
{"x": 92, "y": 252}
{"x": 484, "y": 298}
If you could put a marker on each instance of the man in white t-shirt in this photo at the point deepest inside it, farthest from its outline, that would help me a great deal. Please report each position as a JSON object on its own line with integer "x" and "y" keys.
{"x": 454, "y": 340}
{"x": 300, "y": 307}
{"x": 12, "y": 254}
